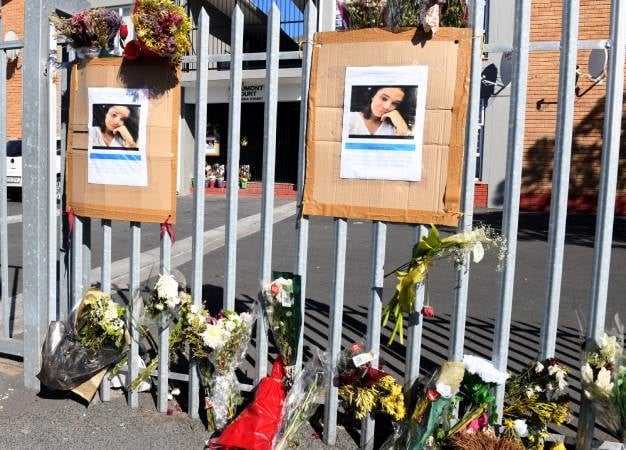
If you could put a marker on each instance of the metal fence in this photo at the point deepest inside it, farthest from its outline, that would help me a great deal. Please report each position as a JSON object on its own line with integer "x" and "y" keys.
{"x": 49, "y": 290}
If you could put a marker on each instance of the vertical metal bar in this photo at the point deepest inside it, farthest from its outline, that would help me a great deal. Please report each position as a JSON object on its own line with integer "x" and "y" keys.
{"x": 414, "y": 331}
{"x": 105, "y": 285}
{"x": 34, "y": 198}
{"x": 510, "y": 214}
{"x": 64, "y": 263}
{"x": 606, "y": 202}
{"x": 134, "y": 299}
{"x": 302, "y": 222}
{"x": 198, "y": 196}
{"x": 379, "y": 237}
{"x": 234, "y": 123}
{"x": 86, "y": 252}
{"x": 560, "y": 176}
{"x": 4, "y": 250}
{"x": 269, "y": 163}
{"x": 51, "y": 177}
{"x": 334, "y": 337}
{"x": 459, "y": 315}
{"x": 77, "y": 262}
{"x": 164, "y": 329}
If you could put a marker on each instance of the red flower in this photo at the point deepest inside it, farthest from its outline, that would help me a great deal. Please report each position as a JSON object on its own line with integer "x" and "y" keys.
{"x": 432, "y": 394}
{"x": 123, "y": 30}
{"x": 132, "y": 50}
{"x": 355, "y": 347}
{"x": 428, "y": 311}
{"x": 275, "y": 289}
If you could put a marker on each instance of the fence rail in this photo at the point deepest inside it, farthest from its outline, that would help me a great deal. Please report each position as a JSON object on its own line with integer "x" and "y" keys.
{"x": 75, "y": 276}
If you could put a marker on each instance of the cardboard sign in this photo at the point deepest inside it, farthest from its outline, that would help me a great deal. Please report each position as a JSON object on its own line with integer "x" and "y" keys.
{"x": 132, "y": 174}
{"x": 363, "y": 185}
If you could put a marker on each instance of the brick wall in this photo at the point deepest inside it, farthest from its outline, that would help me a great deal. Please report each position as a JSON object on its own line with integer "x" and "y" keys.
{"x": 13, "y": 19}
{"x": 588, "y": 113}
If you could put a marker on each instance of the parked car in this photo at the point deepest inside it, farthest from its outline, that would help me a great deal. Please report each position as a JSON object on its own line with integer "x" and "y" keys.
{"x": 14, "y": 168}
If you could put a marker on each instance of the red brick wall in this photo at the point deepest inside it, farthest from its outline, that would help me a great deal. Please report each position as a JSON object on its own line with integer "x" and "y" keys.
{"x": 13, "y": 19}
{"x": 588, "y": 113}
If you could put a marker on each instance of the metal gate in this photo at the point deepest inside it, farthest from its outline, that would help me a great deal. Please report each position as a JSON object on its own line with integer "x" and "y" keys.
{"x": 49, "y": 290}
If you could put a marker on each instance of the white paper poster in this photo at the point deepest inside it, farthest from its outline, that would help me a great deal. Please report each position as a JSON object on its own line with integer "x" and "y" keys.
{"x": 117, "y": 136}
{"x": 383, "y": 122}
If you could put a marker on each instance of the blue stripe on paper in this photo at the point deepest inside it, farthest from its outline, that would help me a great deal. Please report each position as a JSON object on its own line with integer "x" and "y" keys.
{"x": 378, "y": 146}
{"x": 115, "y": 156}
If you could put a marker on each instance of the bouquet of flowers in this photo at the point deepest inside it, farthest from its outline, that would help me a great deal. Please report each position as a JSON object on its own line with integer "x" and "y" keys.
{"x": 74, "y": 353}
{"x": 425, "y": 253}
{"x": 301, "y": 403}
{"x": 365, "y": 389}
{"x": 604, "y": 380}
{"x": 165, "y": 296}
{"x": 534, "y": 399}
{"x": 218, "y": 345}
{"x": 90, "y": 30}
{"x": 162, "y": 31}
{"x": 282, "y": 305}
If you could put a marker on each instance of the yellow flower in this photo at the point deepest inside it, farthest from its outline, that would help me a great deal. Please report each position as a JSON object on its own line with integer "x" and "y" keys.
{"x": 558, "y": 446}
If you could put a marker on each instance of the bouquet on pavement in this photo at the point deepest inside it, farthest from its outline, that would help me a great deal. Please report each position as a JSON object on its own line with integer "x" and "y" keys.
{"x": 256, "y": 427}
{"x": 365, "y": 389}
{"x": 75, "y": 354}
{"x": 302, "y": 400}
{"x": 282, "y": 303}
{"x": 218, "y": 344}
{"x": 533, "y": 400}
{"x": 604, "y": 380}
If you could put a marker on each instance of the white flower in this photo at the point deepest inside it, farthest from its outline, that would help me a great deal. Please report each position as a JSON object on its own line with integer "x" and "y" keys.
{"x": 167, "y": 287}
{"x": 538, "y": 367}
{"x": 213, "y": 336}
{"x": 603, "y": 382}
{"x": 194, "y": 309}
{"x": 110, "y": 313}
{"x": 587, "y": 373}
{"x": 530, "y": 392}
{"x": 484, "y": 369}
{"x": 521, "y": 428}
{"x": 444, "y": 390}
{"x": 172, "y": 302}
{"x": 175, "y": 391}
{"x": 478, "y": 252}
{"x": 609, "y": 347}
{"x": 247, "y": 317}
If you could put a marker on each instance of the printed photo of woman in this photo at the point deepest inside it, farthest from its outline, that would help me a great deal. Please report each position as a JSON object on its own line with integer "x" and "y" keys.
{"x": 382, "y": 111}
{"x": 114, "y": 127}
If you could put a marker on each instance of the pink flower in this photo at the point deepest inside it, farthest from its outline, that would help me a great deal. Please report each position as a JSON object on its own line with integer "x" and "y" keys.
{"x": 275, "y": 289}
{"x": 432, "y": 394}
{"x": 478, "y": 424}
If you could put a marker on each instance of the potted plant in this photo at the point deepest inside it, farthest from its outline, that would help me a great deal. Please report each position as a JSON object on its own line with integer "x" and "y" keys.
{"x": 244, "y": 176}
{"x": 218, "y": 169}
{"x": 210, "y": 176}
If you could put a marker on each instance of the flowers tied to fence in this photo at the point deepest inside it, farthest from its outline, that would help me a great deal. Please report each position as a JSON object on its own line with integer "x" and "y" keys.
{"x": 161, "y": 29}
{"x": 534, "y": 399}
{"x": 365, "y": 389}
{"x": 89, "y": 31}
{"x": 426, "y": 252}
{"x": 604, "y": 380}
{"x": 281, "y": 301}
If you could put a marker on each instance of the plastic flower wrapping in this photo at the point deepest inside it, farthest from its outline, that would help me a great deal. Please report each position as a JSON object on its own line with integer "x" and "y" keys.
{"x": 301, "y": 402}
{"x": 90, "y": 30}
{"x": 604, "y": 380}
{"x": 218, "y": 344}
{"x": 281, "y": 301}
{"x": 426, "y": 252}
{"x": 162, "y": 31}
{"x": 534, "y": 399}
{"x": 365, "y": 389}
{"x": 74, "y": 352}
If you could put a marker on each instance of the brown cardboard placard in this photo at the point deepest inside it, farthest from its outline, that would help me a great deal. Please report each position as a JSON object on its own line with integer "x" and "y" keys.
{"x": 436, "y": 197}
{"x": 155, "y": 202}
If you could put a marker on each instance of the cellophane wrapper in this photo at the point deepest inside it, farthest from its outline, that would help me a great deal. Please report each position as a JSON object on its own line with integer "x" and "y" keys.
{"x": 302, "y": 400}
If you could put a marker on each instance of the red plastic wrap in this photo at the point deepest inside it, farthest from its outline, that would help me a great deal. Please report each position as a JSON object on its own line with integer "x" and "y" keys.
{"x": 257, "y": 425}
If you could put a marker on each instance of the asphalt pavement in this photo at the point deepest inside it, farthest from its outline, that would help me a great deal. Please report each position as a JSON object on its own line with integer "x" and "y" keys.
{"x": 32, "y": 420}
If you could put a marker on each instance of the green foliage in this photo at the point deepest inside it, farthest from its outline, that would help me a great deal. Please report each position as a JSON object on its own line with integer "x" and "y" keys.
{"x": 365, "y": 14}
{"x": 454, "y": 14}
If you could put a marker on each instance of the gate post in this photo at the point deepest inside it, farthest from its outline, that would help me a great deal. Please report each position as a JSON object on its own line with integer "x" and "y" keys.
{"x": 35, "y": 161}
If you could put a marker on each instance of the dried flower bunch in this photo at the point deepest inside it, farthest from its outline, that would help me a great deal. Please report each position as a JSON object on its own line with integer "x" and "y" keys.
{"x": 162, "y": 28}
{"x": 94, "y": 28}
